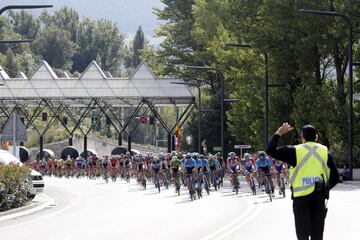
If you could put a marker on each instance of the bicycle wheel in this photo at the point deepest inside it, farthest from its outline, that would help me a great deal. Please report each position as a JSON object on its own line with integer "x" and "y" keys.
{"x": 177, "y": 185}
{"x": 283, "y": 187}
{"x": 144, "y": 183}
{"x": 158, "y": 184}
{"x": 206, "y": 185}
{"x": 253, "y": 186}
{"x": 267, "y": 188}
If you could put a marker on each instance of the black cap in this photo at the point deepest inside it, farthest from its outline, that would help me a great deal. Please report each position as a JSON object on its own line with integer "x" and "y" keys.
{"x": 309, "y": 132}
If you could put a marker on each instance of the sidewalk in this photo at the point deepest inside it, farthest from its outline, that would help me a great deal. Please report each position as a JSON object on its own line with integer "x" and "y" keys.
{"x": 352, "y": 183}
{"x": 40, "y": 202}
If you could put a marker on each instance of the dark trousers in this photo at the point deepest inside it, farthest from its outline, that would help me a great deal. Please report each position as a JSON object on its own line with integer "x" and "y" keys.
{"x": 309, "y": 213}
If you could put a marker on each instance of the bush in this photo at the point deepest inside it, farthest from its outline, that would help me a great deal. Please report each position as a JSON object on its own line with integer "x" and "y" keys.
{"x": 16, "y": 188}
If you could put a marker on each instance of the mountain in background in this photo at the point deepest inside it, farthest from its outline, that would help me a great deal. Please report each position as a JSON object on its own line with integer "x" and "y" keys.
{"x": 128, "y": 14}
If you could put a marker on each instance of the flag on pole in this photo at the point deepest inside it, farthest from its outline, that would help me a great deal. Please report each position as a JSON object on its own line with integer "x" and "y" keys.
{"x": 177, "y": 136}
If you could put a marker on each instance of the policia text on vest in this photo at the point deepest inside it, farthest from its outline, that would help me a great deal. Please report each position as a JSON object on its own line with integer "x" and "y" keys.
{"x": 312, "y": 174}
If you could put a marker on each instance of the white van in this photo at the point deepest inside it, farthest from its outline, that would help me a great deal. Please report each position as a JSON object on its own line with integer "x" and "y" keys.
{"x": 37, "y": 179}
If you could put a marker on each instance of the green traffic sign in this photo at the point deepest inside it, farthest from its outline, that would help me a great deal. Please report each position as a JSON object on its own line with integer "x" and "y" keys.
{"x": 218, "y": 149}
{"x": 94, "y": 120}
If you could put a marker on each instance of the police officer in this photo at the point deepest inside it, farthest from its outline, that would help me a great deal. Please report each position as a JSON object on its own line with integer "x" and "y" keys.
{"x": 312, "y": 174}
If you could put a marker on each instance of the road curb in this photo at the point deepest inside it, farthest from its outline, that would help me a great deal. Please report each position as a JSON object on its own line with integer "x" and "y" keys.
{"x": 28, "y": 209}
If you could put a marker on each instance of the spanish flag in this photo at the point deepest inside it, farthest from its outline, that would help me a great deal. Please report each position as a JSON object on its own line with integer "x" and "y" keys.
{"x": 178, "y": 135}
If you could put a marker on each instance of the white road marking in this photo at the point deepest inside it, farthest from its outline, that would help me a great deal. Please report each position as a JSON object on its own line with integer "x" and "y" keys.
{"x": 45, "y": 216}
{"x": 233, "y": 224}
{"x": 50, "y": 201}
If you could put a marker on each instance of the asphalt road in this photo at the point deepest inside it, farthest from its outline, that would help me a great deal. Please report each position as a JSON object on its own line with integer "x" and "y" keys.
{"x": 92, "y": 209}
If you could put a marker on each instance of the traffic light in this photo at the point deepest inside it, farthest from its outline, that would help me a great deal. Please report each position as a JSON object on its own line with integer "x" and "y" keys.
{"x": 94, "y": 120}
{"x": 108, "y": 120}
{"x": 44, "y": 116}
{"x": 151, "y": 120}
{"x": 65, "y": 120}
{"x": 143, "y": 119}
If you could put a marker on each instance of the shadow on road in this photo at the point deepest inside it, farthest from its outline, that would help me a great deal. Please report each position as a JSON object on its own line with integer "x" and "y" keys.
{"x": 151, "y": 193}
{"x": 134, "y": 189}
{"x": 184, "y": 200}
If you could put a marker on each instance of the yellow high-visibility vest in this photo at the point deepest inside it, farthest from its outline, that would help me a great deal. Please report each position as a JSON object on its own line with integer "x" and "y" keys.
{"x": 311, "y": 164}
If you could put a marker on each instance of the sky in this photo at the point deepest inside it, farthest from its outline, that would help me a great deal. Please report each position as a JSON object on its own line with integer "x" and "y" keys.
{"x": 128, "y": 14}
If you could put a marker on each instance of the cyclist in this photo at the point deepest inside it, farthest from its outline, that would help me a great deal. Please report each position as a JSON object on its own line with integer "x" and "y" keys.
{"x": 105, "y": 163}
{"x": 140, "y": 167}
{"x": 68, "y": 164}
{"x": 263, "y": 166}
{"x": 42, "y": 164}
{"x": 79, "y": 166}
{"x": 233, "y": 164}
{"x": 127, "y": 159}
{"x": 279, "y": 167}
{"x": 164, "y": 168}
{"x": 155, "y": 166}
{"x": 94, "y": 161}
{"x": 248, "y": 167}
{"x": 215, "y": 166}
{"x": 205, "y": 169}
{"x": 175, "y": 165}
{"x": 222, "y": 166}
{"x": 50, "y": 166}
{"x": 189, "y": 166}
{"x": 60, "y": 166}
{"x": 113, "y": 164}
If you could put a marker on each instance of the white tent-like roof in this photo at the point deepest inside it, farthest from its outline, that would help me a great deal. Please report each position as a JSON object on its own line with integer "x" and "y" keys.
{"x": 94, "y": 83}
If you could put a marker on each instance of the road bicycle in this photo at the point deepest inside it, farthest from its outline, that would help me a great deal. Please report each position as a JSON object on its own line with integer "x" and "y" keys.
{"x": 235, "y": 178}
{"x": 177, "y": 184}
{"x": 282, "y": 184}
{"x": 267, "y": 185}
{"x": 191, "y": 186}
{"x": 157, "y": 181}
{"x": 252, "y": 183}
{"x": 206, "y": 183}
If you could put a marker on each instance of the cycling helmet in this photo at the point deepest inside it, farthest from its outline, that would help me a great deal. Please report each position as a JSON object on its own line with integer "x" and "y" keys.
{"x": 156, "y": 159}
{"x": 246, "y": 155}
{"x": 231, "y": 154}
{"x": 262, "y": 154}
{"x": 201, "y": 156}
{"x": 174, "y": 158}
{"x": 188, "y": 155}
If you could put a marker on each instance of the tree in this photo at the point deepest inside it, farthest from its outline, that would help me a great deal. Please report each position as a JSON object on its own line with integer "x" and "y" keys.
{"x": 132, "y": 60}
{"x": 55, "y": 46}
{"x": 102, "y": 38}
{"x": 24, "y": 24}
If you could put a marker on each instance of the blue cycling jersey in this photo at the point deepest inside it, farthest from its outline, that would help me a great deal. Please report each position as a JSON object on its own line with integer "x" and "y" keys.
{"x": 199, "y": 163}
{"x": 262, "y": 163}
{"x": 156, "y": 166}
{"x": 189, "y": 163}
{"x": 205, "y": 164}
{"x": 279, "y": 167}
{"x": 248, "y": 166}
{"x": 79, "y": 164}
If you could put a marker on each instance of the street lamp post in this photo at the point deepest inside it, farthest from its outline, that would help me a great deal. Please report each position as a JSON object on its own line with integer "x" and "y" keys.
{"x": 199, "y": 109}
{"x": 350, "y": 53}
{"x": 266, "y": 89}
{"x": 22, "y": 41}
{"x": 23, "y": 7}
{"x": 220, "y": 76}
{"x": 20, "y": 7}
